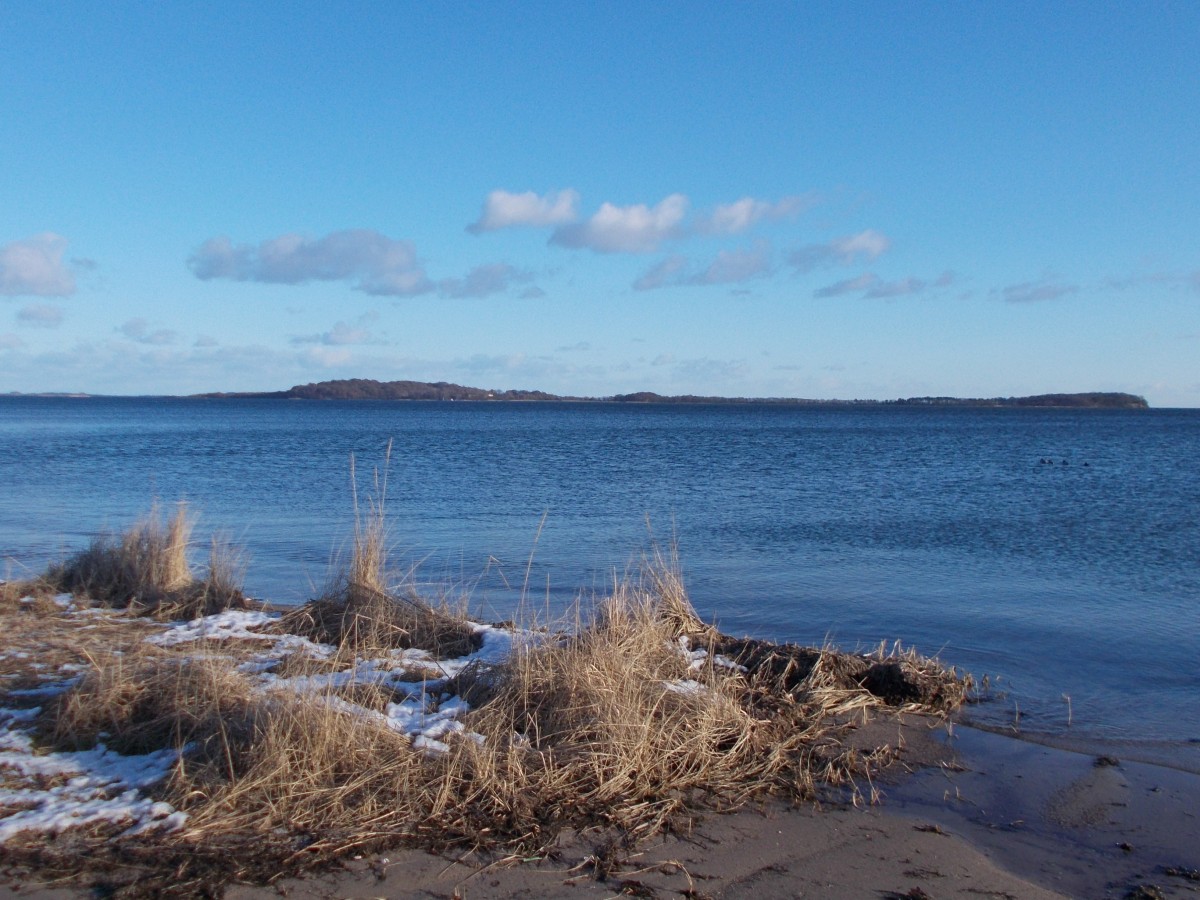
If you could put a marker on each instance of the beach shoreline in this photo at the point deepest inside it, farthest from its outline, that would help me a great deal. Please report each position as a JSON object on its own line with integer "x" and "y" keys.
{"x": 962, "y": 812}
{"x": 643, "y": 752}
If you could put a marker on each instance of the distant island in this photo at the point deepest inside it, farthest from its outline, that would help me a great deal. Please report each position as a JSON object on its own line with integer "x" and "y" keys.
{"x": 369, "y": 389}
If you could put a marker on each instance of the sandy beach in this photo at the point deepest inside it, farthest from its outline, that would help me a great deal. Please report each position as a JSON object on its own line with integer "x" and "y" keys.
{"x": 964, "y": 813}
{"x": 980, "y": 815}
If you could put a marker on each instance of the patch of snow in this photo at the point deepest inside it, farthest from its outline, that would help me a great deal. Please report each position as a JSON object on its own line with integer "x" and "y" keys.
{"x": 93, "y": 768}
{"x": 100, "y": 785}
{"x": 686, "y": 686}
{"x": 53, "y": 689}
{"x": 414, "y": 718}
{"x": 56, "y": 812}
{"x": 230, "y": 625}
{"x": 698, "y": 658}
{"x": 429, "y": 745}
{"x": 19, "y": 715}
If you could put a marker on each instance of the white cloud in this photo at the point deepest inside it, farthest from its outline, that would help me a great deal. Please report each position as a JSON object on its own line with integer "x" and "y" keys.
{"x": 626, "y": 229}
{"x": 661, "y": 274}
{"x": 1037, "y": 291}
{"x": 729, "y": 267}
{"x": 732, "y": 266}
{"x": 869, "y": 244}
{"x": 870, "y": 286}
{"x": 41, "y": 315}
{"x": 344, "y": 334}
{"x": 707, "y": 371}
{"x": 10, "y": 342}
{"x": 901, "y": 288}
{"x": 376, "y": 263}
{"x": 326, "y": 358}
{"x": 502, "y": 209}
{"x": 848, "y": 286}
{"x": 139, "y": 330}
{"x": 341, "y": 334}
{"x": 482, "y": 281}
{"x": 35, "y": 266}
{"x": 736, "y": 217}
{"x": 866, "y": 245}
{"x": 1166, "y": 279}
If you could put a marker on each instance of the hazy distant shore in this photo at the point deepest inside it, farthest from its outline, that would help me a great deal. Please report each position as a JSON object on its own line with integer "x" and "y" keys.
{"x": 368, "y": 389}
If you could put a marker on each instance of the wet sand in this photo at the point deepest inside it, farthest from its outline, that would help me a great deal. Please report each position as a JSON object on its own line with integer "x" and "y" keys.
{"x": 966, "y": 814}
{"x": 1084, "y": 825}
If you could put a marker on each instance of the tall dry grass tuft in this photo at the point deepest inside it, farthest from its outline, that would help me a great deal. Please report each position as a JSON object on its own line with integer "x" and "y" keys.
{"x": 146, "y": 569}
{"x": 368, "y": 561}
{"x": 319, "y": 769}
{"x": 143, "y": 564}
{"x": 362, "y": 611}
{"x": 148, "y": 699}
{"x": 226, "y": 575}
{"x": 615, "y": 726}
{"x": 661, "y": 579}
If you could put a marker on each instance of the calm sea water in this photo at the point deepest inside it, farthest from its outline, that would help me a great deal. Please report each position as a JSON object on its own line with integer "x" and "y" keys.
{"x": 1078, "y": 579}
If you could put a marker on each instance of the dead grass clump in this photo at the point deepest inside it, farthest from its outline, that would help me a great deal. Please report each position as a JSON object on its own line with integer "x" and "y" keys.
{"x": 314, "y": 769}
{"x": 662, "y": 581}
{"x": 146, "y": 570}
{"x": 141, "y": 565}
{"x": 362, "y": 620}
{"x": 612, "y": 727}
{"x": 360, "y": 612}
{"x": 915, "y": 683}
{"x": 897, "y": 678}
{"x": 301, "y": 664}
{"x": 45, "y": 645}
{"x": 35, "y": 592}
{"x": 148, "y": 700}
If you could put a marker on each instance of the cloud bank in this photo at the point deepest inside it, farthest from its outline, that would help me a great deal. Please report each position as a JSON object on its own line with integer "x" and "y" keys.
{"x": 342, "y": 334}
{"x": 40, "y": 315}
{"x": 502, "y": 209}
{"x": 865, "y": 246}
{"x": 375, "y": 263}
{"x": 662, "y": 274}
{"x": 626, "y": 229}
{"x": 1037, "y": 291}
{"x": 34, "y": 266}
{"x": 736, "y": 217}
{"x": 871, "y": 287}
{"x": 735, "y": 266}
{"x": 482, "y": 281}
{"x": 139, "y": 330}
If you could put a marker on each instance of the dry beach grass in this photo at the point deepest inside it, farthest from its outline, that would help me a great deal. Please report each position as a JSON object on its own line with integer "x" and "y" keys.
{"x": 284, "y": 734}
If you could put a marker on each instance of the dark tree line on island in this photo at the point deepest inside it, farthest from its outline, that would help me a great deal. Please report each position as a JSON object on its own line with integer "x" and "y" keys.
{"x": 369, "y": 389}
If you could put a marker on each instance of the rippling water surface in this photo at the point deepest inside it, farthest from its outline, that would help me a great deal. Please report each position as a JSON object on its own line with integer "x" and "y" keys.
{"x": 1078, "y": 578}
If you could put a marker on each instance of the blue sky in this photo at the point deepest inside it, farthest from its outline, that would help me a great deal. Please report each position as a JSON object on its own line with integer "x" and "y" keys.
{"x": 867, "y": 200}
